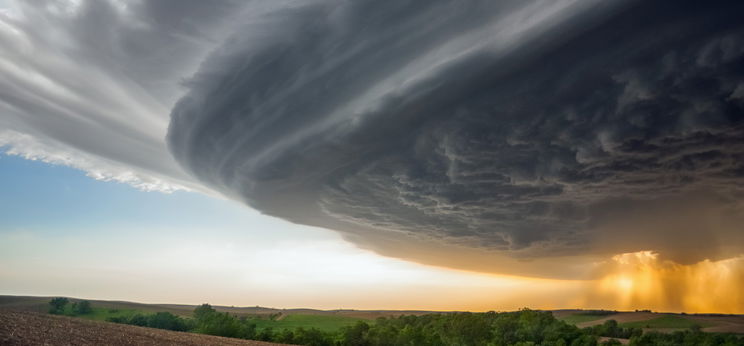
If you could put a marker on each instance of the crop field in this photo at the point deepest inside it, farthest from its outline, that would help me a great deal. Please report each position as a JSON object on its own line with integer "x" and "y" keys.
{"x": 667, "y": 322}
{"x": 579, "y": 318}
{"x": 662, "y": 322}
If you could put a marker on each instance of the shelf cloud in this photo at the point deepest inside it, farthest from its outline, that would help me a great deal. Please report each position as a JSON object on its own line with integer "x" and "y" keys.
{"x": 535, "y": 132}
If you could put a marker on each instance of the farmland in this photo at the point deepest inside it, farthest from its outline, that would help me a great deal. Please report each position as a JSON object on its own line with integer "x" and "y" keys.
{"x": 343, "y": 327}
{"x": 668, "y": 322}
{"x": 30, "y": 328}
{"x": 663, "y": 322}
{"x": 577, "y": 317}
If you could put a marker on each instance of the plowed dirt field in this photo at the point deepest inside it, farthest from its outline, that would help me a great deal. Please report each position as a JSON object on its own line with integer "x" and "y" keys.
{"x": 29, "y": 328}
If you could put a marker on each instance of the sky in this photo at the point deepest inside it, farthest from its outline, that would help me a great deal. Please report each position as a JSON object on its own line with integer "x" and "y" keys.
{"x": 405, "y": 155}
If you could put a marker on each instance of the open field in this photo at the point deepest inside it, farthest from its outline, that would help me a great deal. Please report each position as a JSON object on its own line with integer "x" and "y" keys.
{"x": 31, "y": 328}
{"x": 667, "y": 322}
{"x": 664, "y": 322}
{"x": 331, "y": 320}
{"x": 41, "y": 304}
{"x": 581, "y": 316}
{"x": 578, "y": 319}
{"x": 278, "y": 319}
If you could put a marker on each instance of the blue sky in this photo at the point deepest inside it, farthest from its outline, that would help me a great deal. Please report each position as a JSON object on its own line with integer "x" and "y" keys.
{"x": 64, "y": 233}
{"x": 47, "y": 198}
{"x": 52, "y": 198}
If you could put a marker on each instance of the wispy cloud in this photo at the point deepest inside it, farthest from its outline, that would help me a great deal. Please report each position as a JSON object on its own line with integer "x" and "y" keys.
{"x": 90, "y": 83}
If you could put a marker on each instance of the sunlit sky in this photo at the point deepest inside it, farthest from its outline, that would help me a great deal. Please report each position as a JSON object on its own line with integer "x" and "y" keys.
{"x": 63, "y": 233}
{"x": 374, "y": 155}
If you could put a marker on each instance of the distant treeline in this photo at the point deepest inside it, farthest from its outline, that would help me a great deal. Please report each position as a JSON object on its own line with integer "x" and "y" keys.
{"x": 520, "y": 328}
{"x": 597, "y": 312}
{"x": 58, "y": 306}
{"x": 160, "y": 320}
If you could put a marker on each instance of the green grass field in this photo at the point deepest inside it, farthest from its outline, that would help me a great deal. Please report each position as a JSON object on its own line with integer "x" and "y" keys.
{"x": 579, "y": 318}
{"x": 328, "y": 323}
{"x": 101, "y": 314}
{"x": 666, "y": 322}
{"x": 322, "y": 322}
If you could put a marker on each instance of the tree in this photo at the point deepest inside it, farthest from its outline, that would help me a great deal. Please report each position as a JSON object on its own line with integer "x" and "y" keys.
{"x": 355, "y": 335}
{"x": 83, "y": 307}
{"x": 167, "y": 320}
{"x": 611, "y": 342}
{"x": 57, "y": 305}
{"x": 202, "y": 311}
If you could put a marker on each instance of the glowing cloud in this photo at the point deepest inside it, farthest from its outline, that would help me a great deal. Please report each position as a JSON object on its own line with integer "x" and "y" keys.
{"x": 641, "y": 279}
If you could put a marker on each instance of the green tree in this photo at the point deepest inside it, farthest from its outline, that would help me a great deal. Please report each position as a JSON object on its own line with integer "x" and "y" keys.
{"x": 83, "y": 307}
{"x": 311, "y": 337}
{"x": 166, "y": 320}
{"x": 57, "y": 305}
{"x": 355, "y": 335}
{"x": 202, "y": 311}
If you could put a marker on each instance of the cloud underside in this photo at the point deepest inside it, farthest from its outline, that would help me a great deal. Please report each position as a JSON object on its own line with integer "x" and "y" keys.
{"x": 511, "y": 136}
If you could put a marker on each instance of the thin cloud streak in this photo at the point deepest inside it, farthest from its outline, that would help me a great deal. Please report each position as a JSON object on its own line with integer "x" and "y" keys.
{"x": 89, "y": 84}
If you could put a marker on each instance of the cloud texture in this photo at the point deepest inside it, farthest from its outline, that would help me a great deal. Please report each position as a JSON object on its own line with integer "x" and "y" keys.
{"x": 90, "y": 84}
{"x": 524, "y": 130}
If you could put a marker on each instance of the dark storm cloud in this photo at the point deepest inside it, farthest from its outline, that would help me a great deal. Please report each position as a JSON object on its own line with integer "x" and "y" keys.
{"x": 528, "y": 129}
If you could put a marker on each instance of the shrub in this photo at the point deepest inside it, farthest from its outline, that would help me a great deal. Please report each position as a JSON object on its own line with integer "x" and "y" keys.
{"x": 81, "y": 308}
{"x": 57, "y": 305}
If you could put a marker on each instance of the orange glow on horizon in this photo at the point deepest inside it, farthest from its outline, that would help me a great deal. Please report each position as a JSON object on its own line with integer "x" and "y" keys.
{"x": 641, "y": 280}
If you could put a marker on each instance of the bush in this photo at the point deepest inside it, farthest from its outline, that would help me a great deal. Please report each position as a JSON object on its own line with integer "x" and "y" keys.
{"x": 611, "y": 329}
{"x": 57, "y": 305}
{"x": 160, "y": 320}
{"x": 202, "y": 311}
{"x": 167, "y": 320}
{"x": 81, "y": 308}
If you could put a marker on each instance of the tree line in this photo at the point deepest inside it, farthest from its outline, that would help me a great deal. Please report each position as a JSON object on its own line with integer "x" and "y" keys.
{"x": 520, "y": 328}
{"x": 58, "y": 306}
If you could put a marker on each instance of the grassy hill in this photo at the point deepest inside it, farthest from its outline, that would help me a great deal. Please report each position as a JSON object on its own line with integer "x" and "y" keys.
{"x": 323, "y": 327}
{"x": 663, "y": 322}
{"x": 325, "y": 320}
{"x": 668, "y": 322}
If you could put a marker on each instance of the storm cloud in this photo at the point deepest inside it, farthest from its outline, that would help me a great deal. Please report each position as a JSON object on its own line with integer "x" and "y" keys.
{"x": 526, "y": 131}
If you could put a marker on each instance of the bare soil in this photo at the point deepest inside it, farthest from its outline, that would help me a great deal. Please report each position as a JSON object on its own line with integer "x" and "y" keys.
{"x": 31, "y": 328}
